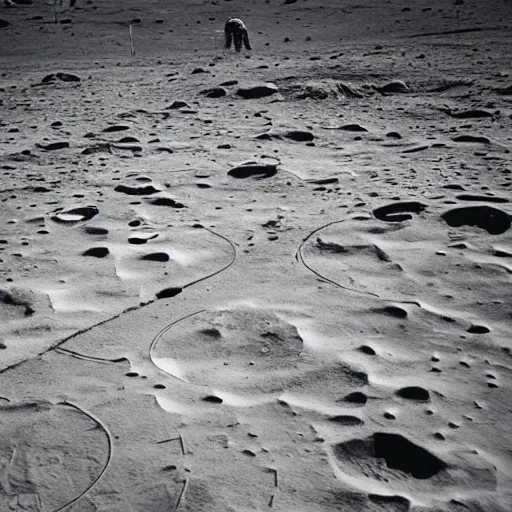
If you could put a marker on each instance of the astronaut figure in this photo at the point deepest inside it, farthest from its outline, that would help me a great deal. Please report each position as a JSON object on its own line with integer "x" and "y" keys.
{"x": 236, "y": 30}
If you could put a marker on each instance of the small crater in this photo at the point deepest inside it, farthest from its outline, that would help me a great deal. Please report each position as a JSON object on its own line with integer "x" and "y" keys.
{"x": 393, "y": 311}
{"x": 483, "y": 199}
{"x": 212, "y": 399}
{"x": 353, "y": 128}
{"x": 346, "y": 420}
{"x": 167, "y": 293}
{"x": 414, "y": 393}
{"x": 116, "y": 128}
{"x": 391, "y": 503}
{"x": 137, "y": 191}
{"x": 478, "y": 329}
{"x": 93, "y": 230}
{"x": 156, "y": 256}
{"x": 97, "y": 252}
{"x": 167, "y": 201}
{"x": 253, "y": 171}
{"x": 357, "y": 397}
{"x": 472, "y": 139}
{"x": 257, "y": 91}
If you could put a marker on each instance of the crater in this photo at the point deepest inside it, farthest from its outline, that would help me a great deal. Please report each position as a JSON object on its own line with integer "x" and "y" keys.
{"x": 399, "y": 211}
{"x": 262, "y": 349}
{"x": 55, "y": 454}
{"x": 394, "y": 450}
{"x": 493, "y": 220}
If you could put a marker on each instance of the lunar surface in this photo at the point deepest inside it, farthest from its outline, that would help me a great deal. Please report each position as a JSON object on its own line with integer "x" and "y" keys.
{"x": 266, "y": 279}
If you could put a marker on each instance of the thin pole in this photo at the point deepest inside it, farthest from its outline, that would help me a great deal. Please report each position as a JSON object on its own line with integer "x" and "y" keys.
{"x": 131, "y": 40}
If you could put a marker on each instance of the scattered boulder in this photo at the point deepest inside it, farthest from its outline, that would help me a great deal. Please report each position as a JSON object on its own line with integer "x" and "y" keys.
{"x": 4, "y": 23}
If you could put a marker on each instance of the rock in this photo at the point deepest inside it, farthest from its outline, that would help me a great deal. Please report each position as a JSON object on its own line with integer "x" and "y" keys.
{"x": 353, "y": 128}
{"x": 4, "y": 23}
{"x": 167, "y": 201}
{"x": 257, "y": 91}
{"x": 296, "y": 135}
{"x": 79, "y": 214}
{"x": 53, "y": 146}
{"x": 395, "y": 87}
{"x": 137, "y": 191}
{"x": 470, "y": 114}
{"x": 299, "y": 135}
{"x": 228, "y": 83}
{"x": 214, "y": 92}
{"x": 177, "y": 104}
{"x": 505, "y": 91}
{"x": 116, "y": 128}
{"x": 472, "y": 139}
{"x": 97, "y": 148}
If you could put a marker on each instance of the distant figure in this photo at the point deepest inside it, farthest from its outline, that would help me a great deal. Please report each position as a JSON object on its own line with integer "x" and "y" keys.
{"x": 235, "y": 30}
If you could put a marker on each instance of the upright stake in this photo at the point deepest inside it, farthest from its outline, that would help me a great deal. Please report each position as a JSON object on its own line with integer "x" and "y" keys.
{"x": 131, "y": 40}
